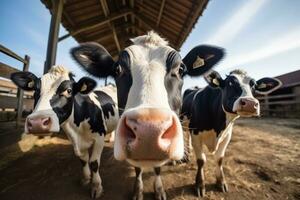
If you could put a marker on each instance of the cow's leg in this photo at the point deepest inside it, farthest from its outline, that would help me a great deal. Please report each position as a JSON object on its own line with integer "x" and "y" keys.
{"x": 112, "y": 137}
{"x": 138, "y": 185}
{"x": 221, "y": 182}
{"x": 201, "y": 159}
{"x": 96, "y": 189}
{"x": 160, "y": 193}
{"x": 84, "y": 159}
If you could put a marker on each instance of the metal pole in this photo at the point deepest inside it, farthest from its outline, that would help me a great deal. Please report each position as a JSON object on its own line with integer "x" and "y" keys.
{"x": 57, "y": 6}
{"x": 20, "y": 94}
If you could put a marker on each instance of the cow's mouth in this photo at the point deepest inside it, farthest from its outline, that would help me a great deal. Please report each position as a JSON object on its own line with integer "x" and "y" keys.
{"x": 41, "y": 134}
{"x": 247, "y": 114}
{"x": 147, "y": 162}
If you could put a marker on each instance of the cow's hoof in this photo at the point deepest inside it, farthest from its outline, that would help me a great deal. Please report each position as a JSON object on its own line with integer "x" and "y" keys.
{"x": 138, "y": 196}
{"x": 223, "y": 187}
{"x": 200, "y": 191}
{"x": 96, "y": 191}
{"x": 85, "y": 182}
{"x": 160, "y": 195}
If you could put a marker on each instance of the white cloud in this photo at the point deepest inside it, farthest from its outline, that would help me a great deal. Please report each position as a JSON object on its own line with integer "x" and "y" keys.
{"x": 36, "y": 37}
{"x": 231, "y": 28}
{"x": 275, "y": 46}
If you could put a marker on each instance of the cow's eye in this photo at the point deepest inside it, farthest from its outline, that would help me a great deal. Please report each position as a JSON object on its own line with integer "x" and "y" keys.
{"x": 252, "y": 83}
{"x": 69, "y": 91}
{"x": 181, "y": 70}
{"x": 230, "y": 83}
{"x": 119, "y": 70}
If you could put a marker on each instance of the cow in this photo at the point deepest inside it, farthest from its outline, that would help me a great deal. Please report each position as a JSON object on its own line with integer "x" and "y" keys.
{"x": 210, "y": 113}
{"x": 149, "y": 78}
{"x": 84, "y": 114}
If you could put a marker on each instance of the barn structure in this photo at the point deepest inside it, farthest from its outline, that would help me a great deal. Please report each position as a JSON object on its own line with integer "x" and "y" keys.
{"x": 111, "y": 23}
{"x": 284, "y": 102}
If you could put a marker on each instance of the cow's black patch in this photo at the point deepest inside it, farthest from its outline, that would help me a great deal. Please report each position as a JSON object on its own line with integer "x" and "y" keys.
{"x": 173, "y": 80}
{"x": 83, "y": 162}
{"x": 106, "y": 102}
{"x": 37, "y": 92}
{"x": 85, "y": 108}
{"x": 204, "y": 110}
{"x": 94, "y": 166}
{"x": 230, "y": 92}
{"x": 123, "y": 80}
{"x": 61, "y": 104}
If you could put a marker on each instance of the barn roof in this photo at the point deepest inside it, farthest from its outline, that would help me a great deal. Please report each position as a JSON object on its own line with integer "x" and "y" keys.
{"x": 111, "y": 23}
{"x": 290, "y": 79}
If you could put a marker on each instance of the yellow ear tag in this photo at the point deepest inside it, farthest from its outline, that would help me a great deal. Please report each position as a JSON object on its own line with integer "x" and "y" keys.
{"x": 30, "y": 84}
{"x": 83, "y": 88}
{"x": 262, "y": 85}
{"x": 199, "y": 62}
{"x": 215, "y": 81}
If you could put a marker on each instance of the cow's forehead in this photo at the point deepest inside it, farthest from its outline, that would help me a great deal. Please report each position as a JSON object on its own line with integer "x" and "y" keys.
{"x": 242, "y": 78}
{"x": 138, "y": 52}
{"x": 50, "y": 81}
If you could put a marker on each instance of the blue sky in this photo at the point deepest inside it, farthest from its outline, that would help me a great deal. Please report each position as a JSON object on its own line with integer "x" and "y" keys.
{"x": 260, "y": 36}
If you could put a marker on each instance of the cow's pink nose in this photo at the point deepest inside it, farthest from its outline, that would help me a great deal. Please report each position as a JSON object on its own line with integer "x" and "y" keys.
{"x": 39, "y": 124}
{"x": 248, "y": 105}
{"x": 148, "y": 134}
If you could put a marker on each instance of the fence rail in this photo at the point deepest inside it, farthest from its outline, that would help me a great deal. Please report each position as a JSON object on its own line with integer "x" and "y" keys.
{"x": 6, "y": 70}
{"x": 284, "y": 105}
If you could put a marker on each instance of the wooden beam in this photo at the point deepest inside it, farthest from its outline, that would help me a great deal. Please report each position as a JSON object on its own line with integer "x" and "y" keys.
{"x": 106, "y": 13}
{"x": 12, "y": 54}
{"x": 106, "y": 35}
{"x": 116, "y": 38}
{"x": 131, "y": 4}
{"x": 146, "y": 22}
{"x": 160, "y": 12}
{"x": 57, "y": 6}
{"x": 6, "y": 70}
{"x": 190, "y": 20}
{"x": 103, "y": 21}
{"x": 150, "y": 25}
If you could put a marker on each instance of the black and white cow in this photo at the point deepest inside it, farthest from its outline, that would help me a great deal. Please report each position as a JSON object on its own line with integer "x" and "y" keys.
{"x": 149, "y": 78}
{"x": 84, "y": 114}
{"x": 210, "y": 114}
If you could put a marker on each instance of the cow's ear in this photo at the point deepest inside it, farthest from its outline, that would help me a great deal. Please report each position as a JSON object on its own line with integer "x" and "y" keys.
{"x": 25, "y": 80}
{"x": 267, "y": 85}
{"x": 84, "y": 86}
{"x": 214, "y": 79}
{"x": 202, "y": 58}
{"x": 95, "y": 59}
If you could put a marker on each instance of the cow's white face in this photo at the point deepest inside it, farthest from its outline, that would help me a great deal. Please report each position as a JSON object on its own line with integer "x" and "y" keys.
{"x": 238, "y": 89}
{"x": 53, "y": 98}
{"x": 149, "y": 78}
{"x": 246, "y": 104}
{"x": 49, "y": 84}
{"x": 148, "y": 119}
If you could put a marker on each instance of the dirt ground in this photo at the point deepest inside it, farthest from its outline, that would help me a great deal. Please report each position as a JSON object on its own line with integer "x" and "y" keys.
{"x": 262, "y": 162}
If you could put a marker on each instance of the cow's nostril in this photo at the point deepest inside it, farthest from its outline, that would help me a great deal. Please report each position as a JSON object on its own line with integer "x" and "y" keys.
{"x": 29, "y": 124}
{"x": 170, "y": 132}
{"x": 242, "y": 102}
{"x": 46, "y": 121}
{"x": 129, "y": 132}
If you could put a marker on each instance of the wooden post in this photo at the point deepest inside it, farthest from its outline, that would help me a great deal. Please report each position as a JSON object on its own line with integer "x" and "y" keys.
{"x": 267, "y": 106}
{"x": 57, "y": 9}
{"x": 20, "y": 94}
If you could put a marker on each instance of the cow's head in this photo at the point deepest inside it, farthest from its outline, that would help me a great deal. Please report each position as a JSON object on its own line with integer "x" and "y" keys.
{"x": 149, "y": 78}
{"x": 53, "y": 97}
{"x": 238, "y": 89}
